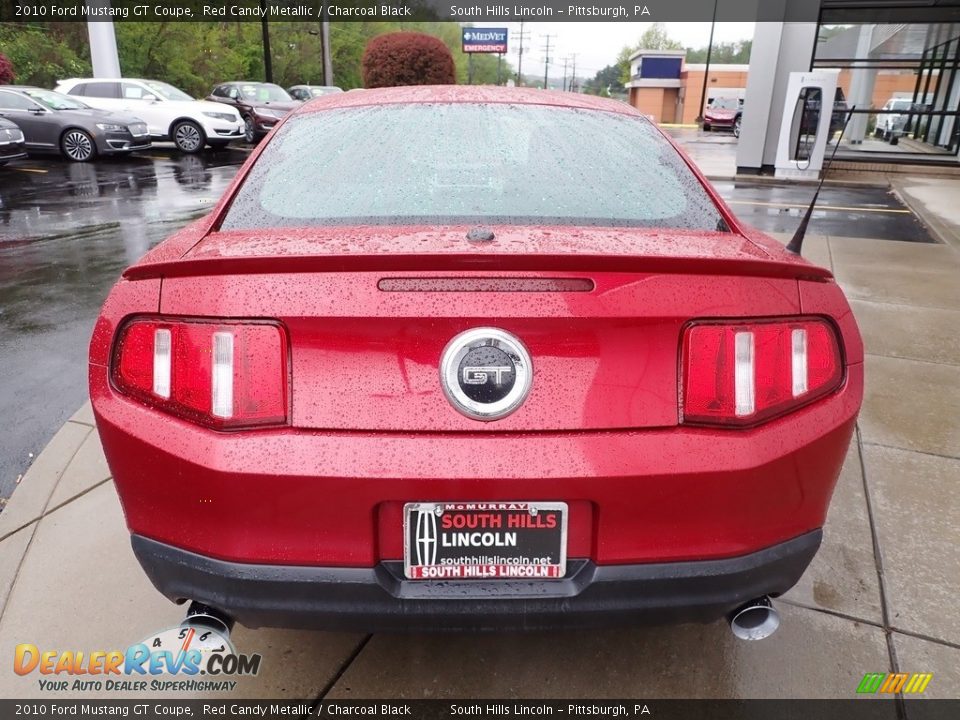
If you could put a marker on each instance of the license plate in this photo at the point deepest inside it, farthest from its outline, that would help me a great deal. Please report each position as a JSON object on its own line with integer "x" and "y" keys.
{"x": 477, "y": 540}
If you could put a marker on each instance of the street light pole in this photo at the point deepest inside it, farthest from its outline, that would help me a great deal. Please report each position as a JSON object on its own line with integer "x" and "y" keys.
{"x": 706, "y": 69}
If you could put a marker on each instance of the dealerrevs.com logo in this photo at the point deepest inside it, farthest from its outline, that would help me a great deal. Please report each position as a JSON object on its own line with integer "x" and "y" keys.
{"x": 171, "y": 660}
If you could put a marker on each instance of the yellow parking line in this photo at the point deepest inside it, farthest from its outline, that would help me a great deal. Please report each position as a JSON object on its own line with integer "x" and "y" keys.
{"x": 841, "y": 208}
{"x": 28, "y": 170}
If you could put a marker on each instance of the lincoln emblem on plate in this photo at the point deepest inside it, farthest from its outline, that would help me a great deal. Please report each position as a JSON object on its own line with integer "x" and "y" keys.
{"x": 486, "y": 373}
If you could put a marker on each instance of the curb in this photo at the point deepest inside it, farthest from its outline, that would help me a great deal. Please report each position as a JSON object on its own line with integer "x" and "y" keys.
{"x": 64, "y": 470}
{"x": 940, "y": 230}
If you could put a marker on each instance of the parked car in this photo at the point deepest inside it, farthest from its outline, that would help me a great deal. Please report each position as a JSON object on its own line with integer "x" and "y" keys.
{"x": 891, "y": 122}
{"x": 723, "y": 113}
{"x": 811, "y": 113}
{"x": 261, "y": 105}
{"x": 170, "y": 113}
{"x": 55, "y": 123}
{"x": 12, "y": 146}
{"x": 563, "y": 386}
{"x": 308, "y": 92}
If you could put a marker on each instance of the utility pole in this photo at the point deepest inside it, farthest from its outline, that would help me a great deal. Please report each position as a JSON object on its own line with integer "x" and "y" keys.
{"x": 565, "y": 61}
{"x": 546, "y": 61}
{"x": 327, "y": 52}
{"x": 265, "y": 35}
{"x": 521, "y": 37}
{"x": 573, "y": 79}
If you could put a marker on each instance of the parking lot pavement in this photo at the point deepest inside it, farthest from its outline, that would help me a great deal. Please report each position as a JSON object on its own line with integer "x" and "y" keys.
{"x": 67, "y": 230}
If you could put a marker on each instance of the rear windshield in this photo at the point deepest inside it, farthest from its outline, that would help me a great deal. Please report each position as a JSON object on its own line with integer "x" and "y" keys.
{"x": 457, "y": 164}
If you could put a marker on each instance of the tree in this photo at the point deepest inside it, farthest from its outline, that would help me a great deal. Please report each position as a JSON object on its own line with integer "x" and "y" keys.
{"x": 605, "y": 83}
{"x": 407, "y": 58}
{"x": 43, "y": 54}
{"x": 735, "y": 53}
{"x": 655, "y": 37}
{"x": 7, "y": 75}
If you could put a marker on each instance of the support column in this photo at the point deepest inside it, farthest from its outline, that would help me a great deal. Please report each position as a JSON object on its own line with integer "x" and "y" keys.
{"x": 103, "y": 45}
{"x": 862, "y": 81}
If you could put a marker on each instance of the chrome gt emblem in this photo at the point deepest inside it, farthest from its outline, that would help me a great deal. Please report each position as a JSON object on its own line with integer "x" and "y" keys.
{"x": 486, "y": 373}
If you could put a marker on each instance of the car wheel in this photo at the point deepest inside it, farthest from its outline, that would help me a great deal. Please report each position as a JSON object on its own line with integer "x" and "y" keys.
{"x": 249, "y": 130}
{"x": 736, "y": 128}
{"x": 78, "y": 146}
{"x": 188, "y": 137}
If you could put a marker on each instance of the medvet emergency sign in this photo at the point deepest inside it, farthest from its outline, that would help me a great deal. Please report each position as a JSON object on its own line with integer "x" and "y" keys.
{"x": 484, "y": 40}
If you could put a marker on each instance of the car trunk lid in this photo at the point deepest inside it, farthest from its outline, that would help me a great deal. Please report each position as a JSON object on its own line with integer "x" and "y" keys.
{"x": 370, "y": 312}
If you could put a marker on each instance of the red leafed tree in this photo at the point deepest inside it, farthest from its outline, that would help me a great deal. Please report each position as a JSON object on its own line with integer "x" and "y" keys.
{"x": 407, "y": 58}
{"x": 7, "y": 75}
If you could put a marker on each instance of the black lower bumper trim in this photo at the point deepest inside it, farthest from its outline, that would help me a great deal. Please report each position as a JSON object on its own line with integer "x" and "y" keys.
{"x": 380, "y": 599}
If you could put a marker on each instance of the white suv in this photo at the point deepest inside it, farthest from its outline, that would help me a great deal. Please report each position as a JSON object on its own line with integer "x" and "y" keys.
{"x": 170, "y": 113}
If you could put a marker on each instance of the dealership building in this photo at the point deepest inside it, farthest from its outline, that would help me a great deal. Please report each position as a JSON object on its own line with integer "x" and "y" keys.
{"x": 884, "y": 55}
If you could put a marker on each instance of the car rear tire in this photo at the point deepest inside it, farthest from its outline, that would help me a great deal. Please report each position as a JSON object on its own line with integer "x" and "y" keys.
{"x": 77, "y": 145}
{"x": 188, "y": 137}
{"x": 249, "y": 130}
{"x": 736, "y": 127}
{"x": 706, "y": 128}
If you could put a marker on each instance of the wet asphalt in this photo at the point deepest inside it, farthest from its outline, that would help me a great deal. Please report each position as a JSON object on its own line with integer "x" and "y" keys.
{"x": 68, "y": 230}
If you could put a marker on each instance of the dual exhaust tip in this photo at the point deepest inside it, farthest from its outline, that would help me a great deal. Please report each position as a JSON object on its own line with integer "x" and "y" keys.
{"x": 209, "y": 618}
{"x": 755, "y": 620}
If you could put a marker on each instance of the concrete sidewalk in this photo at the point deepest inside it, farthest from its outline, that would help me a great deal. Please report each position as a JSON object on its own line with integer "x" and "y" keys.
{"x": 880, "y": 596}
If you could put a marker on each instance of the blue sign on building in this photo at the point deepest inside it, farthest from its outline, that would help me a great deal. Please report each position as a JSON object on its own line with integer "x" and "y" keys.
{"x": 484, "y": 40}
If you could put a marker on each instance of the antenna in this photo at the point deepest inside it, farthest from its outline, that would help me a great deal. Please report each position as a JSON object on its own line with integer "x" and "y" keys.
{"x": 796, "y": 242}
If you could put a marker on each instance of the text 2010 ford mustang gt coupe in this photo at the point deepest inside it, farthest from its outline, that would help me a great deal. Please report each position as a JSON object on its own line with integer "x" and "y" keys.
{"x": 474, "y": 358}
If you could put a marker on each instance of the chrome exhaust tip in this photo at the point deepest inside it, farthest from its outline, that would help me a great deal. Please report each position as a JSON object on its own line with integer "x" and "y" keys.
{"x": 755, "y": 620}
{"x": 204, "y": 616}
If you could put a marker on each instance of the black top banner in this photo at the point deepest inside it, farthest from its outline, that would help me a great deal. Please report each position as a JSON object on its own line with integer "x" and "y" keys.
{"x": 891, "y": 708}
{"x": 413, "y": 10}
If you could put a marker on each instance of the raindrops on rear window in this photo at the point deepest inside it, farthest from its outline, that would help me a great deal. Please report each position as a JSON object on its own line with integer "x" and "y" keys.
{"x": 477, "y": 165}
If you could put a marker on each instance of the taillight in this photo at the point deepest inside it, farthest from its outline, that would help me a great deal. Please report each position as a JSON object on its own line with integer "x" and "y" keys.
{"x": 220, "y": 374}
{"x": 747, "y": 371}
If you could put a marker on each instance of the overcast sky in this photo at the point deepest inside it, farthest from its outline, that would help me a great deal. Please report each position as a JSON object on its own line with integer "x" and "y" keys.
{"x": 597, "y": 44}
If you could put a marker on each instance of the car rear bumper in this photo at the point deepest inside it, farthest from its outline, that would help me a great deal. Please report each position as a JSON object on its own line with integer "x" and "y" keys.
{"x": 379, "y": 599}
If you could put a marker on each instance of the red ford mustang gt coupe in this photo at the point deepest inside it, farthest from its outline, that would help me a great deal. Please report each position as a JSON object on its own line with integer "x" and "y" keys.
{"x": 474, "y": 358}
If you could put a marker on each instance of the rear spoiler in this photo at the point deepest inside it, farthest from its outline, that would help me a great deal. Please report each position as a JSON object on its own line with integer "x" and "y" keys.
{"x": 446, "y": 262}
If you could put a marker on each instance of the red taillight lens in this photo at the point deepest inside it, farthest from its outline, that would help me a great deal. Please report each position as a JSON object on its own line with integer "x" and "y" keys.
{"x": 745, "y": 372}
{"x": 220, "y": 374}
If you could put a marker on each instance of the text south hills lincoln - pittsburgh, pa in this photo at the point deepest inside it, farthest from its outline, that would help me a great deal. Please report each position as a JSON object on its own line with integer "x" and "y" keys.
{"x": 614, "y": 12}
